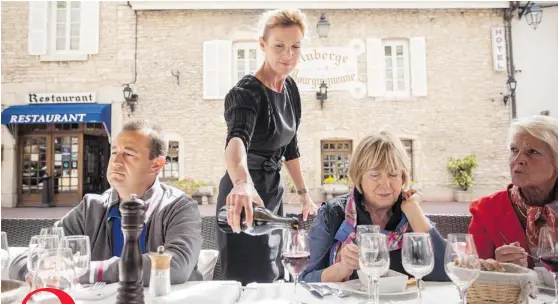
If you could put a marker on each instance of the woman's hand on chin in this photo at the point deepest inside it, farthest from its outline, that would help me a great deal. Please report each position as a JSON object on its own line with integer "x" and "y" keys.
{"x": 411, "y": 199}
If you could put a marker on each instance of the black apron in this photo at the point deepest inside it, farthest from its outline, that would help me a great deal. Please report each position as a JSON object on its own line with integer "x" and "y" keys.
{"x": 246, "y": 258}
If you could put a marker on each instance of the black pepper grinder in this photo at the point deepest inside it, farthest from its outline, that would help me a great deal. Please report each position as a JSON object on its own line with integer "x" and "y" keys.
{"x": 130, "y": 266}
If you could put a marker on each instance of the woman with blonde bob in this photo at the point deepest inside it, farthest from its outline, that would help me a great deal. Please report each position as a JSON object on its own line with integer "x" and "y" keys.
{"x": 379, "y": 170}
{"x": 505, "y": 225}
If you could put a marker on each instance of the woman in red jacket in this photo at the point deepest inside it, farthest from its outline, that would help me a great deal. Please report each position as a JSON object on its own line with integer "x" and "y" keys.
{"x": 505, "y": 225}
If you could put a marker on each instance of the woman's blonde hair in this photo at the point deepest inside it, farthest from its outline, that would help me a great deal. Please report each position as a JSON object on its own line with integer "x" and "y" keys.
{"x": 379, "y": 151}
{"x": 282, "y": 18}
{"x": 544, "y": 128}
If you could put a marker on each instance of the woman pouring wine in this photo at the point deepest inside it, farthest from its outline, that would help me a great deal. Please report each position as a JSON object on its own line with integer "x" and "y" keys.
{"x": 262, "y": 113}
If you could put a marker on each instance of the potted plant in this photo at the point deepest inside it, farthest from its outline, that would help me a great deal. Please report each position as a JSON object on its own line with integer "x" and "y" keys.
{"x": 198, "y": 190}
{"x": 462, "y": 173}
{"x": 333, "y": 186}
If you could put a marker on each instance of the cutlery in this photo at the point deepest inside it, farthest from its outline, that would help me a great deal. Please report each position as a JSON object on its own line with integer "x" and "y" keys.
{"x": 508, "y": 242}
{"x": 315, "y": 292}
{"x": 338, "y": 292}
{"x": 325, "y": 291}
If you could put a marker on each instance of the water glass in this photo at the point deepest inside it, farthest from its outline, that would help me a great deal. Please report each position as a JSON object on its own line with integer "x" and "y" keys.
{"x": 58, "y": 231}
{"x": 417, "y": 257}
{"x": 80, "y": 248}
{"x": 295, "y": 255}
{"x": 360, "y": 229}
{"x": 373, "y": 257}
{"x": 5, "y": 251}
{"x": 54, "y": 264}
{"x": 37, "y": 246}
{"x": 461, "y": 248}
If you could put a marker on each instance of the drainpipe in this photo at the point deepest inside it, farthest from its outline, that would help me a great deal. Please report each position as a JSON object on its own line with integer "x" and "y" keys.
{"x": 508, "y": 16}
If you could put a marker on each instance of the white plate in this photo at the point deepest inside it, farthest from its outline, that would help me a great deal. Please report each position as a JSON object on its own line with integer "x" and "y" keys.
{"x": 545, "y": 288}
{"x": 354, "y": 286}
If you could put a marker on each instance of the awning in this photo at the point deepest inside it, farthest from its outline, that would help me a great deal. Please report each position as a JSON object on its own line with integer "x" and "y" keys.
{"x": 58, "y": 113}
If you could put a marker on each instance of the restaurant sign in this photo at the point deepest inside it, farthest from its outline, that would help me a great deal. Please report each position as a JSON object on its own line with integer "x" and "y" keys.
{"x": 336, "y": 66}
{"x": 47, "y": 118}
{"x": 50, "y": 98}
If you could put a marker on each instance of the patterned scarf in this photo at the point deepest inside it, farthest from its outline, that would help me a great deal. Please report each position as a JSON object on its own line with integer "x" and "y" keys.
{"x": 537, "y": 216}
{"x": 346, "y": 233}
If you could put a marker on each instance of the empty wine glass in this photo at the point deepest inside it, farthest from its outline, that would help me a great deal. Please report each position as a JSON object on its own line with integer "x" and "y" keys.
{"x": 373, "y": 257}
{"x": 461, "y": 262}
{"x": 54, "y": 264}
{"x": 548, "y": 255}
{"x": 417, "y": 257}
{"x": 5, "y": 251}
{"x": 37, "y": 245}
{"x": 80, "y": 247}
{"x": 58, "y": 231}
{"x": 360, "y": 229}
{"x": 295, "y": 255}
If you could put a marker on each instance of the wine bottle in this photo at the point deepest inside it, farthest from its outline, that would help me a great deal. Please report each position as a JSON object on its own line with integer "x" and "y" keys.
{"x": 265, "y": 221}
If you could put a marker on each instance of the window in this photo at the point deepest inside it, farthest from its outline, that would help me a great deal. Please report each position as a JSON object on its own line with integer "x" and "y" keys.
{"x": 408, "y": 144}
{"x": 170, "y": 171}
{"x": 335, "y": 158}
{"x": 397, "y": 70}
{"x": 67, "y": 21}
{"x": 245, "y": 59}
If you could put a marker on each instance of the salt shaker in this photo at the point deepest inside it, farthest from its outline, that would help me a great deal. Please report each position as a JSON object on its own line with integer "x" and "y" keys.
{"x": 159, "y": 283}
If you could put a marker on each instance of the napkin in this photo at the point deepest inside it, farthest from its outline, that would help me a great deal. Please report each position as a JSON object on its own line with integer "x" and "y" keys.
{"x": 89, "y": 294}
{"x": 283, "y": 293}
{"x": 207, "y": 292}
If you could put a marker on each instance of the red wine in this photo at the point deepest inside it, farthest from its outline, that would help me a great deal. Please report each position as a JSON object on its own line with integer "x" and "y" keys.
{"x": 296, "y": 262}
{"x": 550, "y": 263}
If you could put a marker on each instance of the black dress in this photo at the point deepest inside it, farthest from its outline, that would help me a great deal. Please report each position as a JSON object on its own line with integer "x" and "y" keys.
{"x": 267, "y": 122}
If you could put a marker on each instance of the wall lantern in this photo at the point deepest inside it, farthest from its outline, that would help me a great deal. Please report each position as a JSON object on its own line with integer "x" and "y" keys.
{"x": 322, "y": 27}
{"x": 321, "y": 95}
{"x": 532, "y": 13}
{"x": 511, "y": 84}
{"x": 130, "y": 98}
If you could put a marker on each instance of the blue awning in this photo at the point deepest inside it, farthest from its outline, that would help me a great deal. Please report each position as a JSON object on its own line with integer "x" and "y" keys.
{"x": 58, "y": 113}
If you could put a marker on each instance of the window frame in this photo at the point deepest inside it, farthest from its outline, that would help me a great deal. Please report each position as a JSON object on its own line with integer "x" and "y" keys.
{"x": 348, "y": 152}
{"x": 246, "y": 46}
{"x": 52, "y": 35}
{"x": 174, "y": 166}
{"x": 394, "y": 43}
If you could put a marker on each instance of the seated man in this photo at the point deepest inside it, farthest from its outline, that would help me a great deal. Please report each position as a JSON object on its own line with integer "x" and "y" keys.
{"x": 172, "y": 219}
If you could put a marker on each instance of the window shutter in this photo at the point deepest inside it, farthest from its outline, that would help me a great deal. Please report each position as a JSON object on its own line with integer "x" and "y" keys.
{"x": 38, "y": 25}
{"x": 375, "y": 69}
{"x": 217, "y": 68}
{"x": 89, "y": 32}
{"x": 418, "y": 66}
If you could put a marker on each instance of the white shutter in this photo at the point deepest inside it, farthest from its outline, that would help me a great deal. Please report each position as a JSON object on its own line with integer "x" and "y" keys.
{"x": 375, "y": 67}
{"x": 38, "y": 25}
{"x": 89, "y": 32}
{"x": 418, "y": 66}
{"x": 217, "y": 68}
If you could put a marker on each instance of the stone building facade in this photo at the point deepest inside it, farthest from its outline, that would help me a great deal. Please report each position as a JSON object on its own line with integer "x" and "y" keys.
{"x": 448, "y": 103}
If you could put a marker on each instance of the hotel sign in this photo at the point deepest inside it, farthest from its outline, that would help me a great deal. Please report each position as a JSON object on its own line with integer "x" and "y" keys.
{"x": 499, "y": 57}
{"x": 50, "y": 98}
{"x": 336, "y": 66}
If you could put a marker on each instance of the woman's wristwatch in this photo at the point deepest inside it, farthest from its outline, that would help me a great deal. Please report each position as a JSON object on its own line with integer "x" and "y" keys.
{"x": 302, "y": 191}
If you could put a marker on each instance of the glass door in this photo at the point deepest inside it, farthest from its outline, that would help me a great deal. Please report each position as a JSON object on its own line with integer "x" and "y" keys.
{"x": 66, "y": 180}
{"x": 35, "y": 166}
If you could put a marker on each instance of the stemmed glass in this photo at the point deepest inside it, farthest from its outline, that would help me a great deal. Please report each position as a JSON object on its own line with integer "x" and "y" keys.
{"x": 53, "y": 264}
{"x": 58, "y": 231}
{"x": 461, "y": 248}
{"x": 295, "y": 255}
{"x": 5, "y": 251}
{"x": 360, "y": 229}
{"x": 373, "y": 257}
{"x": 548, "y": 255}
{"x": 37, "y": 246}
{"x": 418, "y": 257}
{"x": 80, "y": 249}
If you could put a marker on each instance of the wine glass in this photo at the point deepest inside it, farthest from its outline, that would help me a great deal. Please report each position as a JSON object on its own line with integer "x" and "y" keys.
{"x": 418, "y": 257}
{"x": 5, "y": 251}
{"x": 37, "y": 245}
{"x": 360, "y": 229}
{"x": 58, "y": 231}
{"x": 460, "y": 249}
{"x": 80, "y": 248}
{"x": 295, "y": 255}
{"x": 373, "y": 257}
{"x": 54, "y": 264}
{"x": 548, "y": 255}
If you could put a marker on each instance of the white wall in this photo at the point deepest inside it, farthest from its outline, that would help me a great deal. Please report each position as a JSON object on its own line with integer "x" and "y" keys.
{"x": 536, "y": 55}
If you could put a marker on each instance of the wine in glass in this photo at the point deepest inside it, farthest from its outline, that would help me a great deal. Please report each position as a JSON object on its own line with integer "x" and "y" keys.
{"x": 5, "y": 251}
{"x": 548, "y": 255}
{"x": 373, "y": 257}
{"x": 80, "y": 247}
{"x": 461, "y": 262}
{"x": 295, "y": 254}
{"x": 418, "y": 257}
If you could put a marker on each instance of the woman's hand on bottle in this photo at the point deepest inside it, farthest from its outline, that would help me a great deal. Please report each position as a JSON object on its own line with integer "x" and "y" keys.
{"x": 308, "y": 206}
{"x": 242, "y": 195}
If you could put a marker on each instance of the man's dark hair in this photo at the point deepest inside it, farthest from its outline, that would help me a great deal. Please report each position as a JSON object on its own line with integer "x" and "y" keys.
{"x": 159, "y": 145}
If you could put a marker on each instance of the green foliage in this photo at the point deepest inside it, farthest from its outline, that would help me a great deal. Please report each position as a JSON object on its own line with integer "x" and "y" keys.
{"x": 462, "y": 170}
{"x": 188, "y": 185}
